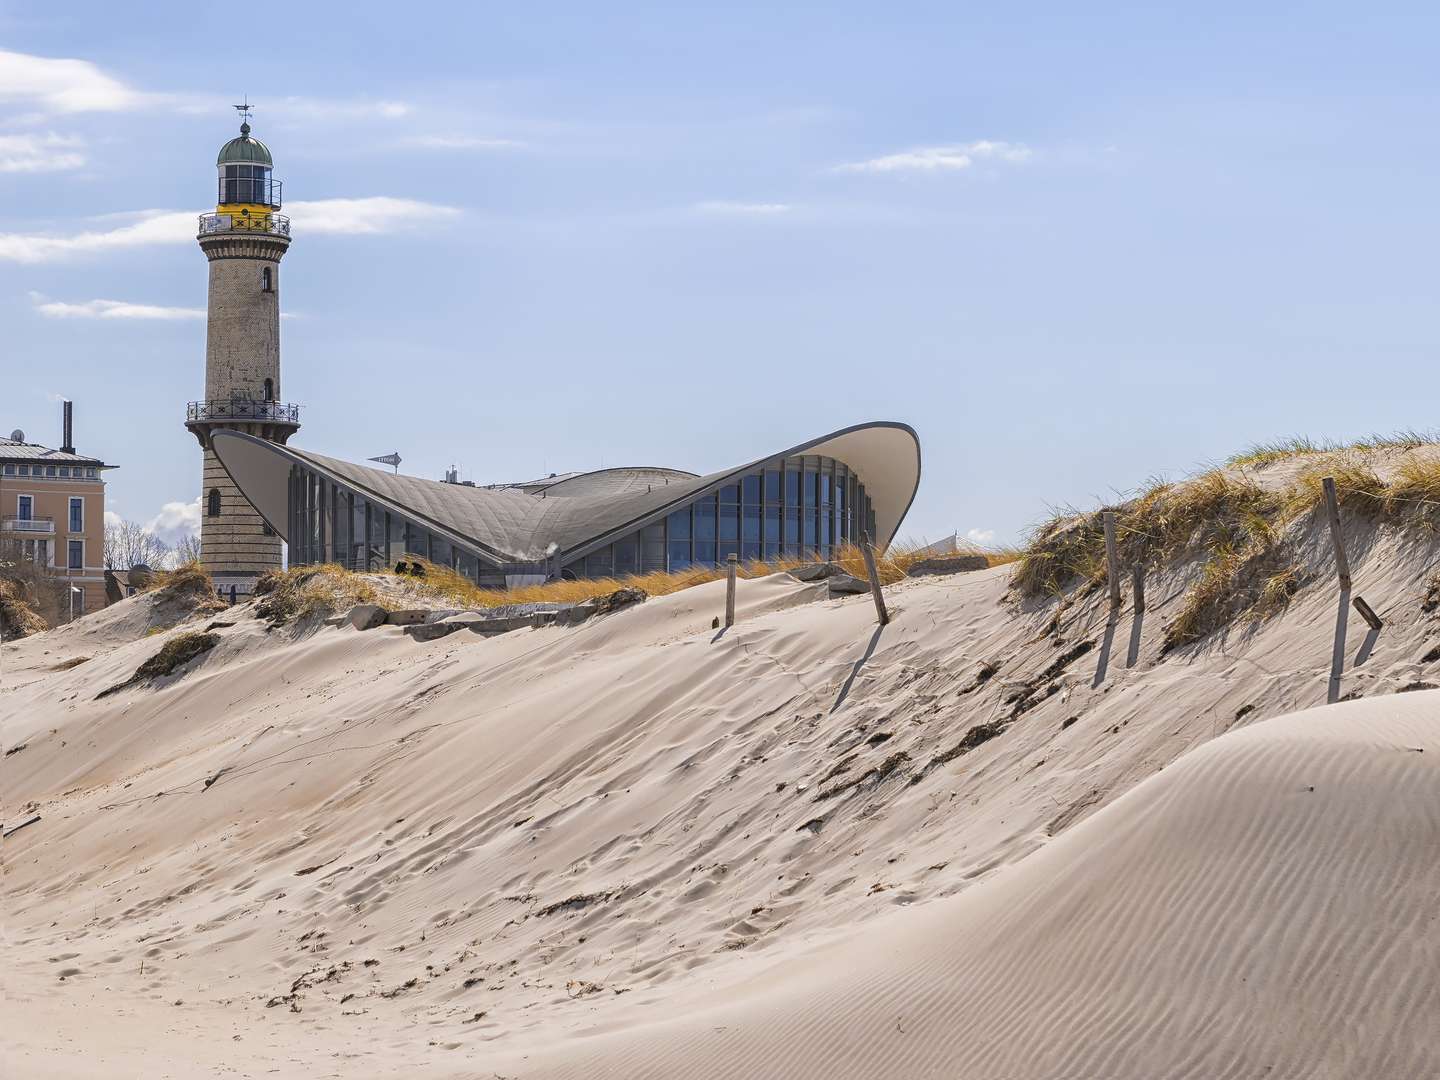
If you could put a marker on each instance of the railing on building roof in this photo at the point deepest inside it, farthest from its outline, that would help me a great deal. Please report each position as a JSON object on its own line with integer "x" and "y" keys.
{"x": 271, "y": 224}
{"x": 256, "y": 412}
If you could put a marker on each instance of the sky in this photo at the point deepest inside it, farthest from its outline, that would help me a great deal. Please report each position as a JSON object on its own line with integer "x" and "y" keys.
{"x": 1075, "y": 247}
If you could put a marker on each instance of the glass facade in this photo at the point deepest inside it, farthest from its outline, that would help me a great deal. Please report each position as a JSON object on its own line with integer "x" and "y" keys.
{"x": 804, "y": 506}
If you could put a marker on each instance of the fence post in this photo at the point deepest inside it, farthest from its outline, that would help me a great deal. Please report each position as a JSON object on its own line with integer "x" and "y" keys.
{"x": 881, "y": 614}
{"x": 1342, "y": 571}
{"x": 1332, "y": 507}
{"x": 1112, "y": 559}
{"x": 1138, "y": 581}
{"x": 730, "y": 568}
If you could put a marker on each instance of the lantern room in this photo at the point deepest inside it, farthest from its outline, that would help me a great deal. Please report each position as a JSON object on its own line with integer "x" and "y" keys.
{"x": 245, "y": 183}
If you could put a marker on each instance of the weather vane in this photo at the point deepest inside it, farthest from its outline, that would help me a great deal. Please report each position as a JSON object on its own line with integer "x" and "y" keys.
{"x": 244, "y": 110}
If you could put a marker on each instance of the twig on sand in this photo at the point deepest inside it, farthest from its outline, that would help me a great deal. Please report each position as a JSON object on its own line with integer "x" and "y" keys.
{"x": 16, "y": 828}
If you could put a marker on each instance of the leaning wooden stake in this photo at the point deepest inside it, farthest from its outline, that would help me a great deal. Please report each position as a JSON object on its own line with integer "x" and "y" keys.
{"x": 1368, "y": 613}
{"x": 881, "y": 614}
{"x": 730, "y": 589}
{"x": 1112, "y": 558}
{"x": 1138, "y": 581}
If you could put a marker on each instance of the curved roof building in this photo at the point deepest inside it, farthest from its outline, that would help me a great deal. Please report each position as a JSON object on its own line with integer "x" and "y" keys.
{"x": 804, "y": 500}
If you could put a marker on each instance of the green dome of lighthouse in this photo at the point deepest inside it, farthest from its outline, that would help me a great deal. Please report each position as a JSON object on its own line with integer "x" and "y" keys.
{"x": 244, "y": 151}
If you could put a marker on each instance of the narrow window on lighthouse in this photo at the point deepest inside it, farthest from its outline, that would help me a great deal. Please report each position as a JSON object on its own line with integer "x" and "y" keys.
{"x": 269, "y": 389}
{"x": 267, "y": 280}
{"x": 213, "y": 509}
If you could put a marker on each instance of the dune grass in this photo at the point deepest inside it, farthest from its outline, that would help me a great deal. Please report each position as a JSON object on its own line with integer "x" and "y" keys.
{"x": 187, "y": 584}
{"x": 441, "y": 583}
{"x": 303, "y": 592}
{"x": 1241, "y": 531}
{"x": 1261, "y": 454}
{"x": 18, "y": 618}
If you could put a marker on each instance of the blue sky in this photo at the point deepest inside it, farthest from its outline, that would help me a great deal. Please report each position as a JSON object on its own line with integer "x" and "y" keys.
{"x": 1072, "y": 248}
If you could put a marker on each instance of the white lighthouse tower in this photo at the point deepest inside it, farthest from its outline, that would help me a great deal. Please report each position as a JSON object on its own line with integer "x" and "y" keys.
{"x": 244, "y": 241}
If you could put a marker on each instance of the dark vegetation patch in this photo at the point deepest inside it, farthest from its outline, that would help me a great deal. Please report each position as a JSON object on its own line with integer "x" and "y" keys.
{"x": 73, "y": 662}
{"x": 576, "y": 902}
{"x": 173, "y": 655}
{"x": 1431, "y": 656}
{"x": 870, "y": 778}
{"x": 976, "y": 736}
{"x": 987, "y": 671}
{"x": 1068, "y": 721}
{"x": 1244, "y": 711}
{"x": 841, "y": 766}
{"x": 1432, "y": 596}
{"x": 1417, "y": 686}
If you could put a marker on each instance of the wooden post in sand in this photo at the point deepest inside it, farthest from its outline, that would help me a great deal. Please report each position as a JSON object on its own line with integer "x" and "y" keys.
{"x": 1332, "y": 508}
{"x": 730, "y": 568}
{"x": 1112, "y": 558}
{"x": 881, "y": 615}
{"x": 1342, "y": 571}
{"x": 1138, "y": 581}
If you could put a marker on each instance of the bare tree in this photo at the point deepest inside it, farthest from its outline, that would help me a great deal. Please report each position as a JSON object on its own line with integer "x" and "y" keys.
{"x": 128, "y": 544}
{"x": 186, "y": 550}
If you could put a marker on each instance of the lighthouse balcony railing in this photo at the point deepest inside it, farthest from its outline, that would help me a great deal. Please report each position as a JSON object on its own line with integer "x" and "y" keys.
{"x": 273, "y": 224}
{"x": 243, "y": 409}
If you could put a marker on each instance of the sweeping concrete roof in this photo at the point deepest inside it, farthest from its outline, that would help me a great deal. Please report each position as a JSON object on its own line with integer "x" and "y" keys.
{"x": 507, "y": 525}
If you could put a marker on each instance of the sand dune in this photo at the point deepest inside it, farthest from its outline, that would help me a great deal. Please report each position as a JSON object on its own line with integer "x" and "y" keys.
{"x": 961, "y": 846}
{"x": 1264, "y": 907}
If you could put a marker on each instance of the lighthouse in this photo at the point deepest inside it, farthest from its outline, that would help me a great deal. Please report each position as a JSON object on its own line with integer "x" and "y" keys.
{"x": 243, "y": 241}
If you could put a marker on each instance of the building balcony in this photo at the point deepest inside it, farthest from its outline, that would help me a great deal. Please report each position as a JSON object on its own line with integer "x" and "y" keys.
{"x": 42, "y": 526}
{"x": 242, "y": 410}
{"x": 268, "y": 224}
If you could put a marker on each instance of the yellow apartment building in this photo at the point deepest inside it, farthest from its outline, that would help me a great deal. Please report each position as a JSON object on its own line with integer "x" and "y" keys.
{"x": 52, "y": 515}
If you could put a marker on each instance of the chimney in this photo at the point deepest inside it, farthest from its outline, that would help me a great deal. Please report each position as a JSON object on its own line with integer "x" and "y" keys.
{"x": 68, "y": 446}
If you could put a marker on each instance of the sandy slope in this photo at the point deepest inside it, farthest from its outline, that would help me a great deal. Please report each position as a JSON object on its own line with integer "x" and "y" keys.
{"x": 592, "y": 849}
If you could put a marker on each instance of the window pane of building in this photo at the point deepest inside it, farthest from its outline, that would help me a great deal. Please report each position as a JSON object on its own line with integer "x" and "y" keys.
{"x": 77, "y": 555}
{"x": 772, "y": 531}
{"x": 627, "y": 556}
{"x": 705, "y": 552}
{"x": 750, "y": 525}
{"x": 772, "y": 486}
{"x": 678, "y": 524}
{"x": 704, "y": 522}
{"x": 750, "y": 490}
{"x": 77, "y": 515}
{"x": 792, "y": 486}
{"x": 652, "y": 548}
{"x": 679, "y": 554}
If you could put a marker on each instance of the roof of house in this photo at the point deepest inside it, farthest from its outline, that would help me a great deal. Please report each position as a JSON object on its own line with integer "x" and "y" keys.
{"x": 11, "y": 450}
{"x": 507, "y": 525}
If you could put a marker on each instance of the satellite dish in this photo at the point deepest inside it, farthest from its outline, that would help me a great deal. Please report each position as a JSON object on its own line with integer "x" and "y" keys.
{"x": 17, "y": 435}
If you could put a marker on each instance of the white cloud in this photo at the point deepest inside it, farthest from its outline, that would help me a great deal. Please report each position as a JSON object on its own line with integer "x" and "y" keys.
{"x": 292, "y": 108}
{"x": 742, "y": 209}
{"x": 373, "y": 214}
{"x": 459, "y": 142}
{"x": 110, "y": 309}
{"x": 152, "y": 227}
{"x": 40, "y": 153}
{"x": 175, "y": 521}
{"x": 112, "y": 518}
{"x": 61, "y": 85}
{"x": 980, "y": 536}
{"x": 941, "y": 158}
